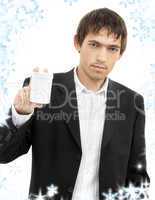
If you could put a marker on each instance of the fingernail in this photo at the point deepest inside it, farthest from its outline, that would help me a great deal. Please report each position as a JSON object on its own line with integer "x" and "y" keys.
{"x": 45, "y": 70}
{"x": 36, "y": 69}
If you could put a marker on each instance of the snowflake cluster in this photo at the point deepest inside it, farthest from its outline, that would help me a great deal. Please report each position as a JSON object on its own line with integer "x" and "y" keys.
{"x": 141, "y": 15}
{"x": 129, "y": 193}
{"x": 51, "y": 192}
{"x": 15, "y": 17}
{"x": 124, "y": 193}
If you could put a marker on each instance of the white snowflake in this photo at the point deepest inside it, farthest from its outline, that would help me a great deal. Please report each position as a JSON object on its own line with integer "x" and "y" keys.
{"x": 39, "y": 196}
{"x": 109, "y": 195}
{"x": 70, "y": 1}
{"x": 52, "y": 190}
{"x": 133, "y": 192}
{"x": 143, "y": 190}
{"x": 121, "y": 195}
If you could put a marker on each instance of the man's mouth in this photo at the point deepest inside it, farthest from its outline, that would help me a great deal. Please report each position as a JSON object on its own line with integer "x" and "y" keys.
{"x": 99, "y": 66}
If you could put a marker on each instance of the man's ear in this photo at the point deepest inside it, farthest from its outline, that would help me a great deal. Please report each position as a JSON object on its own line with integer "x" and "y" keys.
{"x": 76, "y": 44}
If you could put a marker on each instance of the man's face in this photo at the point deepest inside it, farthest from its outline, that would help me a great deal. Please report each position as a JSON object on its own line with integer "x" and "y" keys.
{"x": 98, "y": 54}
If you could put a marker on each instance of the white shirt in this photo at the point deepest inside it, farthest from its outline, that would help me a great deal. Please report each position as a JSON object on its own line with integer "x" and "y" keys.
{"x": 91, "y": 108}
{"x": 19, "y": 119}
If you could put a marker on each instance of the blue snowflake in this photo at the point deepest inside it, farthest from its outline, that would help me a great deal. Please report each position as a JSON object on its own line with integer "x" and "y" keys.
{"x": 70, "y": 1}
{"x": 127, "y": 3}
{"x": 141, "y": 14}
{"x": 14, "y": 19}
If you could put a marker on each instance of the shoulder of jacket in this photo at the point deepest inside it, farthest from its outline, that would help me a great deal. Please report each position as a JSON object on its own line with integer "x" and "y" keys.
{"x": 128, "y": 90}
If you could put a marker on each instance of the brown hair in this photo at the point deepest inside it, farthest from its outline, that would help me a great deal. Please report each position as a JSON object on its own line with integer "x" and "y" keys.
{"x": 93, "y": 21}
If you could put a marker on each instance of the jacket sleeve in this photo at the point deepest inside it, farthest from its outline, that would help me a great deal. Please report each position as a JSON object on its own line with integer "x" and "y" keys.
{"x": 137, "y": 168}
{"x": 14, "y": 141}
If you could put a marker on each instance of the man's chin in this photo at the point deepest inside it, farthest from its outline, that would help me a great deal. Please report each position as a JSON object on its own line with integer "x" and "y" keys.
{"x": 98, "y": 78}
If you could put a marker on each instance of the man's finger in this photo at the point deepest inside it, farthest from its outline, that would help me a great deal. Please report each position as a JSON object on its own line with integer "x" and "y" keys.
{"x": 36, "y": 105}
{"x": 24, "y": 95}
{"x": 36, "y": 69}
{"x": 45, "y": 70}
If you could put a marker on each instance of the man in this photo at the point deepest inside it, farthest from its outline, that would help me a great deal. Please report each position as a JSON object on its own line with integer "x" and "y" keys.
{"x": 95, "y": 140}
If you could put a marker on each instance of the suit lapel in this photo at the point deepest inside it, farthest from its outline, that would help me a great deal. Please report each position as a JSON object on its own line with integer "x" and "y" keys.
{"x": 67, "y": 90}
{"x": 71, "y": 107}
{"x": 111, "y": 108}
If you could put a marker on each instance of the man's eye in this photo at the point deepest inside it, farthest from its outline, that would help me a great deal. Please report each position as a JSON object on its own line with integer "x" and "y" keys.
{"x": 93, "y": 44}
{"x": 113, "y": 49}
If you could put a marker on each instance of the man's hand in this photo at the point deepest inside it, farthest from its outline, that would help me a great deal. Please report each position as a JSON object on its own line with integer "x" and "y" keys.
{"x": 22, "y": 102}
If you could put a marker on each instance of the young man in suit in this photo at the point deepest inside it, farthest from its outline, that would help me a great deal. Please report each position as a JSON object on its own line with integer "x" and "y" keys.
{"x": 90, "y": 138}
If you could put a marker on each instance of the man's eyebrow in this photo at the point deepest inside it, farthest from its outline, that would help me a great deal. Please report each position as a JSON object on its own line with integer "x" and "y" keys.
{"x": 109, "y": 45}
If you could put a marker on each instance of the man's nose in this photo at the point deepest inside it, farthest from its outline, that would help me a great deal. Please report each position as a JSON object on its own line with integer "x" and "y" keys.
{"x": 102, "y": 55}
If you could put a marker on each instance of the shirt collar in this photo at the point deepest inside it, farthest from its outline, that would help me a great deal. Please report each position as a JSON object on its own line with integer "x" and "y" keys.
{"x": 81, "y": 88}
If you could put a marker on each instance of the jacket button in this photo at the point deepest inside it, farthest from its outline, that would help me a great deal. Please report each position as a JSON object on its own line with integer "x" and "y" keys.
{"x": 70, "y": 189}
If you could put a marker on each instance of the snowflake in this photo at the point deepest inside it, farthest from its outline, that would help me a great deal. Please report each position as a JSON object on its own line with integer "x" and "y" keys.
{"x": 127, "y": 3}
{"x": 143, "y": 190}
{"x": 52, "y": 191}
{"x": 131, "y": 193}
{"x": 70, "y": 1}
{"x": 109, "y": 195}
{"x": 39, "y": 196}
{"x": 143, "y": 19}
{"x": 14, "y": 19}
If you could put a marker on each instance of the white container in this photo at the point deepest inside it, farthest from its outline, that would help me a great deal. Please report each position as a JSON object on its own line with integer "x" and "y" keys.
{"x": 41, "y": 84}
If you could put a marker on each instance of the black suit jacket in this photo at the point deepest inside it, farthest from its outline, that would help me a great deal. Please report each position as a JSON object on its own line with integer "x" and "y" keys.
{"x": 56, "y": 145}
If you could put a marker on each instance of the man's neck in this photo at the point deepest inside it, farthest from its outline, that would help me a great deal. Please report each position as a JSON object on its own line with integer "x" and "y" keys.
{"x": 90, "y": 84}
